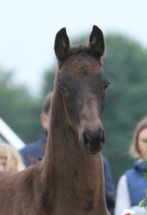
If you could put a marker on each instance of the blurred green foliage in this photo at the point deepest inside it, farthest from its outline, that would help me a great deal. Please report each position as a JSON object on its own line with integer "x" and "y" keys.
{"x": 126, "y": 67}
{"x": 19, "y": 109}
{"x": 48, "y": 80}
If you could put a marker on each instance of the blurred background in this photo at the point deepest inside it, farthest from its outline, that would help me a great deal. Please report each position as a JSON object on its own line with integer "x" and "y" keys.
{"x": 28, "y": 64}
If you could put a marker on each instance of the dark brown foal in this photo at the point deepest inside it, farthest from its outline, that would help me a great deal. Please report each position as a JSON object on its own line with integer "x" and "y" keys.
{"x": 70, "y": 178}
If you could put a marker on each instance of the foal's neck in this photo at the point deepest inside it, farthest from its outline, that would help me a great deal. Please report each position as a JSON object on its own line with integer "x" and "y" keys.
{"x": 76, "y": 173}
{"x": 74, "y": 179}
{"x": 63, "y": 148}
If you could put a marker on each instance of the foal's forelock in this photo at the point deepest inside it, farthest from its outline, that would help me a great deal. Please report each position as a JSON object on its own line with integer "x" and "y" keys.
{"x": 80, "y": 49}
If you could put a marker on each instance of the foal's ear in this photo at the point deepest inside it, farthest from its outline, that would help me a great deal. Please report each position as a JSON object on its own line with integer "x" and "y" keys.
{"x": 96, "y": 42}
{"x": 62, "y": 45}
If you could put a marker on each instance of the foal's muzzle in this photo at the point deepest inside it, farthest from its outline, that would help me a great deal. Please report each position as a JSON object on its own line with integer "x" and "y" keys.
{"x": 92, "y": 141}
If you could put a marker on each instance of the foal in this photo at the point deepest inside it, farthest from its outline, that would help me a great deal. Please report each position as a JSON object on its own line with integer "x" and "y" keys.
{"x": 69, "y": 180}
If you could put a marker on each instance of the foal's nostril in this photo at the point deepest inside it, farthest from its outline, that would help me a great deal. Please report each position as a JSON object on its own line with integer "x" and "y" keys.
{"x": 102, "y": 136}
{"x": 87, "y": 138}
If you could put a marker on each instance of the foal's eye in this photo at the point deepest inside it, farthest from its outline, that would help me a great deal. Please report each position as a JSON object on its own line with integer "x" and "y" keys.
{"x": 106, "y": 84}
{"x": 62, "y": 89}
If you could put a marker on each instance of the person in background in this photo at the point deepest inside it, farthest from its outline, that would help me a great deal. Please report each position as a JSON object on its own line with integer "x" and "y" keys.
{"x": 33, "y": 151}
{"x": 132, "y": 185}
{"x": 10, "y": 159}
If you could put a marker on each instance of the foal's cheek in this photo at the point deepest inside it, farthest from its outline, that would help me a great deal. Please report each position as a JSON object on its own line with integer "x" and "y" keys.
{"x": 73, "y": 113}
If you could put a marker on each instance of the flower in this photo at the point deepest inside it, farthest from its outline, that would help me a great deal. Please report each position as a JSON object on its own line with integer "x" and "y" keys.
{"x": 128, "y": 212}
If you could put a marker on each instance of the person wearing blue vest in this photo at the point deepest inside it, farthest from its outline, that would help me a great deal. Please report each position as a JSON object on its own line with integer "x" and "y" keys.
{"x": 132, "y": 185}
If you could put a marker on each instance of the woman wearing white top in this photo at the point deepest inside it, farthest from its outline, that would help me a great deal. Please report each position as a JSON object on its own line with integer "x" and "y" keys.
{"x": 131, "y": 186}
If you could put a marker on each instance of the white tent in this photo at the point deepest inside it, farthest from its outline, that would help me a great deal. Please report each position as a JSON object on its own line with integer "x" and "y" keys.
{"x": 7, "y": 135}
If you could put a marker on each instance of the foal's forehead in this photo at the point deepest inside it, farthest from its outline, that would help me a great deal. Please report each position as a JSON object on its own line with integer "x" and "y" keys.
{"x": 81, "y": 65}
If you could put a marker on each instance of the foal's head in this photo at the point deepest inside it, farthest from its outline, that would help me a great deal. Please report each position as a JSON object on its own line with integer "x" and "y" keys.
{"x": 82, "y": 84}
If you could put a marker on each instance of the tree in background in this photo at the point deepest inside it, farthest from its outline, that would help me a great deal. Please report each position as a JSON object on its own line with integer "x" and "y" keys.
{"x": 48, "y": 80}
{"x": 19, "y": 109}
{"x": 126, "y": 68}
{"x": 125, "y": 65}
